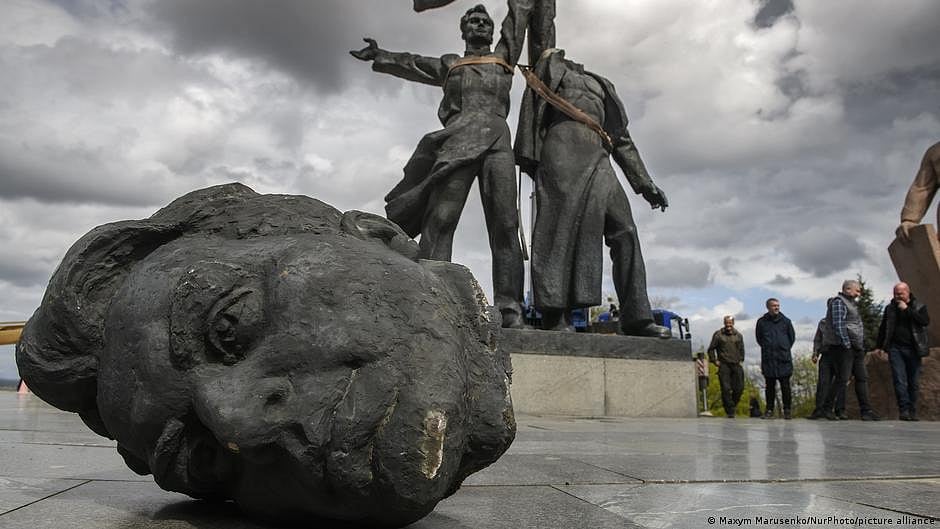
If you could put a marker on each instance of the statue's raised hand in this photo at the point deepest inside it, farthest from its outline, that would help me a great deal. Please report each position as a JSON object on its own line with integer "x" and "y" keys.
{"x": 368, "y": 53}
{"x": 904, "y": 231}
{"x": 656, "y": 197}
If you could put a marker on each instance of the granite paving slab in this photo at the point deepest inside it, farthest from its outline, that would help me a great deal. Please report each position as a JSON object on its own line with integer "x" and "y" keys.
{"x": 24, "y": 460}
{"x": 19, "y": 492}
{"x": 519, "y": 507}
{"x": 561, "y": 472}
{"x": 736, "y": 504}
{"x": 544, "y": 469}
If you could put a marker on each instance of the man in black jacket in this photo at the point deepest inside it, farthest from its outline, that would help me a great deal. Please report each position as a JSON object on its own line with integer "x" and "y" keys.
{"x": 775, "y": 336}
{"x": 903, "y": 333}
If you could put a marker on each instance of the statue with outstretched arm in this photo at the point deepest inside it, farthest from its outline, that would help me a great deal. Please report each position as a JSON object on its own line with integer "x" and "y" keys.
{"x": 921, "y": 193}
{"x": 474, "y": 144}
{"x": 533, "y": 17}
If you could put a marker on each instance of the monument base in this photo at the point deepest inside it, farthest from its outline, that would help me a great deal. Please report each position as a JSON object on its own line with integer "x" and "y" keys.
{"x": 881, "y": 389}
{"x": 918, "y": 264}
{"x": 583, "y": 374}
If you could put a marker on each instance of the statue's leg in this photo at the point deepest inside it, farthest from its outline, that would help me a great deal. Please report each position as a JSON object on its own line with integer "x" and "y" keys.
{"x": 629, "y": 272}
{"x": 498, "y": 193}
{"x": 445, "y": 205}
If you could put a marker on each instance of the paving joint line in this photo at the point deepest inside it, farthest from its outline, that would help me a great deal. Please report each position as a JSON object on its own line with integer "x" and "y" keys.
{"x": 46, "y": 497}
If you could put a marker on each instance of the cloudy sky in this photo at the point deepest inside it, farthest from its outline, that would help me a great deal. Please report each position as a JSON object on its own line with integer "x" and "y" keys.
{"x": 784, "y": 134}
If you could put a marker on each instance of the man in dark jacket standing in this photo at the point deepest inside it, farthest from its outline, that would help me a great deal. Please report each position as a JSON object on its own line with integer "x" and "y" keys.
{"x": 775, "y": 336}
{"x": 903, "y": 333}
{"x": 726, "y": 350}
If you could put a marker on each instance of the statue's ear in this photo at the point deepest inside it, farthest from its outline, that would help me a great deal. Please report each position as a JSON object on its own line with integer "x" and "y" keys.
{"x": 483, "y": 318}
{"x": 57, "y": 354}
{"x": 368, "y": 226}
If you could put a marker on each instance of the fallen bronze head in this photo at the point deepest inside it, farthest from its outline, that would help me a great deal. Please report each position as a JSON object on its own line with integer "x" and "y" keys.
{"x": 272, "y": 350}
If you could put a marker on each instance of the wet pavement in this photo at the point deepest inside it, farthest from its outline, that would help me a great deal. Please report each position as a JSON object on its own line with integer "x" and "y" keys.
{"x": 564, "y": 473}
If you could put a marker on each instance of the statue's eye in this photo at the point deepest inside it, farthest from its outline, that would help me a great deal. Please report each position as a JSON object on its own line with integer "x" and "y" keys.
{"x": 233, "y": 324}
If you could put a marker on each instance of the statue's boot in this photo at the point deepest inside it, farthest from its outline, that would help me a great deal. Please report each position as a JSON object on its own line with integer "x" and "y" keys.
{"x": 645, "y": 328}
{"x": 556, "y": 320}
{"x": 512, "y": 319}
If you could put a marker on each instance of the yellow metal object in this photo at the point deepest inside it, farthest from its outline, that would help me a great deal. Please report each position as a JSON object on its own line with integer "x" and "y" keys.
{"x": 10, "y": 332}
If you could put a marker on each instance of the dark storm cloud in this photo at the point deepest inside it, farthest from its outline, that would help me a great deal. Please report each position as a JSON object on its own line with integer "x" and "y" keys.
{"x": 678, "y": 272}
{"x": 91, "y": 8}
{"x": 66, "y": 174}
{"x": 22, "y": 270}
{"x": 307, "y": 39}
{"x": 823, "y": 251}
{"x": 771, "y": 10}
{"x": 899, "y": 95}
{"x": 780, "y": 281}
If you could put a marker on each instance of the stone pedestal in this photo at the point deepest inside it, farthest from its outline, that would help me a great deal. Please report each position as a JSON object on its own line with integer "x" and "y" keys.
{"x": 557, "y": 373}
{"x": 918, "y": 265}
{"x": 881, "y": 389}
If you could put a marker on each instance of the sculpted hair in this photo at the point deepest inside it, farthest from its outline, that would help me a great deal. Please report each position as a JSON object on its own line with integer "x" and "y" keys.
{"x": 479, "y": 8}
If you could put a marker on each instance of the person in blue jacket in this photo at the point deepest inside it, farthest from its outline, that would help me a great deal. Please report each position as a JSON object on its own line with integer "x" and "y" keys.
{"x": 775, "y": 336}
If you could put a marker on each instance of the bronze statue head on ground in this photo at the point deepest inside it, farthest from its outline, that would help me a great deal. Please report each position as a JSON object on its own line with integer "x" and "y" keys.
{"x": 272, "y": 350}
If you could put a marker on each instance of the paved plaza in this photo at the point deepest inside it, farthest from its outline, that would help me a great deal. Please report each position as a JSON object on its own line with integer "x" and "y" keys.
{"x": 561, "y": 473}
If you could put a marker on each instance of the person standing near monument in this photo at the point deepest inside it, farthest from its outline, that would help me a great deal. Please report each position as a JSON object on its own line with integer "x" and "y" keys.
{"x": 474, "y": 143}
{"x": 903, "y": 333}
{"x": 825, "y": 371}
{"x": 775, "y": 336}
{"x": 921, "y": 193}
{"x": 726, "y": 351}
{"x": 844, "y": 339}
{"x": 570, "y": 123}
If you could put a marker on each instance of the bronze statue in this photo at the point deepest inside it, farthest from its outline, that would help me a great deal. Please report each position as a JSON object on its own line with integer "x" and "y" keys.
{"x": 272, "y": 350}
{"x": 921, "y": 193}
{"x": 570, "y": 123}
{"x": 474, "y": 143}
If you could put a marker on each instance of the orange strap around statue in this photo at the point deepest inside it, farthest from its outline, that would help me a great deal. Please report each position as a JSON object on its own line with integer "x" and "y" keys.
{"x": 563, "y": 105}
{"x": 477, "y": 59}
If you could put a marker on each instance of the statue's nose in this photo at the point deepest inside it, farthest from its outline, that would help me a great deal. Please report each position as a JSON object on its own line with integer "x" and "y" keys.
{"x": 243, "y": 412}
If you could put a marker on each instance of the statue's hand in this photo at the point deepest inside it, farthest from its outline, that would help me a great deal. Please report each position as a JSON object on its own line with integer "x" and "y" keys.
{"x": 368, "y": 53}
{"x": 903, "y": 231}
{"x": 656, "y": 198}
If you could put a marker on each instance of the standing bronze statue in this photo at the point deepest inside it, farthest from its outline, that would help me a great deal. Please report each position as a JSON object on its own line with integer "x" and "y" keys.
{"x": 570, "y": 123}
{"x": 921, "y": 193}
{"x": 474, "y": 143}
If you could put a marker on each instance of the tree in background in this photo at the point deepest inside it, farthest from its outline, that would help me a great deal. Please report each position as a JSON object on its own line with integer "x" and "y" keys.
{"x": 713, "y": 394}
{"x": 803, "y": 384}
{"x": 870, "y": 312}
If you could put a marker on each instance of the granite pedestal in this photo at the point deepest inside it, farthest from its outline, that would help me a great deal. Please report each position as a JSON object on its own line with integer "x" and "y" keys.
{"x": 918, "y": 264}
{"x": 559, "y": 373}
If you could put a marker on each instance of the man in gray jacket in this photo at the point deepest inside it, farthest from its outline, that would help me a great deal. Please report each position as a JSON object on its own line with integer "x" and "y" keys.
{"x": 845, "y": 341}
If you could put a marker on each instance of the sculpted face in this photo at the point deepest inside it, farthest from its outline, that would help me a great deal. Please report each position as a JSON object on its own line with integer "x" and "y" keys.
{"x": 304, "y": 375}
{"x": 477, "y": 28}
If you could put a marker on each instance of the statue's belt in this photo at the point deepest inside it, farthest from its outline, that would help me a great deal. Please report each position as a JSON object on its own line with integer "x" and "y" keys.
{"x": 477, "y": 59}
{"x": 540, "y": 88}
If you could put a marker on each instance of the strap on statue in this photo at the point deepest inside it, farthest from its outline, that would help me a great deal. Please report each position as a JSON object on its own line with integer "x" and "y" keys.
{"x": 477, "y": 59}
{"x": 564, "y": 106}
